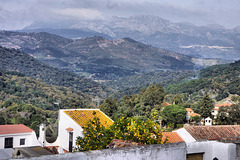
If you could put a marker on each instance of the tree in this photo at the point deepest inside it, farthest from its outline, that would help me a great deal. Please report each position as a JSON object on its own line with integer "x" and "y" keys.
{"x": 174, "y": 114}
{"x": 197, "y": 118}
{"x": 2, "y": 119}
{"x": 96, "y": 136}
{"x": 153, "y": 95}
{"x": 234, "y": 113}
{"x": 109, "y": 106}
{"x": 178, "y": 99}
{"x": 137, "y": 130}
{"x": 223, "y": 116}
{"x": 155, "y": 114}
{"x": 206, "y": 106}
{"x": 236, "y": 99}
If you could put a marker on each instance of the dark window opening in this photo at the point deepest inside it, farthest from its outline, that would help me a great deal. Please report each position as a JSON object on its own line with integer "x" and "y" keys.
{"x": 22, "y": 141}
{"x": 70, "y": 141}
{"x": 8, "y": 143}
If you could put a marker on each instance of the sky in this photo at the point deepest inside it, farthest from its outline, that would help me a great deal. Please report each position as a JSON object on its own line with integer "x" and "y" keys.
{"x": 17, "y": 14}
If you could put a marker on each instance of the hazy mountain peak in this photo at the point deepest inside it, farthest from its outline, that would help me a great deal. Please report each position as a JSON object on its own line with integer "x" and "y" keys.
{"x": 214, "y": 26}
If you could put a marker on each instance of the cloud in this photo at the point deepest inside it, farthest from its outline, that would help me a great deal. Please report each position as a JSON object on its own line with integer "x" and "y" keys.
{"x": 79, "y": 14}
{"x": 17, "y": 14}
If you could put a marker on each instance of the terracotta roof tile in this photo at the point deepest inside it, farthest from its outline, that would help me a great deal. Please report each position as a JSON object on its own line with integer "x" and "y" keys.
{"x": 194, "y": 114}
{"x": 189, "y": 109}
{"x": 15, "y": 128}
{"x": 213, "y": 132}
{"x": 166, "y": 104}
{"x": 224, "y": 104}
{"x": 119, "y": 143}
{"x": 82, "y": 116}
{"x": 173, "y": 137}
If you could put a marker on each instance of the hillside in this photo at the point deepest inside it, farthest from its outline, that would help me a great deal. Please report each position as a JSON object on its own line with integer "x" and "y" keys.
{"x": 99, "y": 58}
{"x": 219, "y": 81}
{"x": 133, "y": 84}
{"x": 14, "y": 60}
{"x": 19, "y": 89}
{"x": 212, "y": 41}
{"x": 96, "y": 57}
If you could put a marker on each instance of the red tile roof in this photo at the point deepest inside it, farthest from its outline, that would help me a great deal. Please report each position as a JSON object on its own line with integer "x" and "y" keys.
{"x": 213, "y": 132}
{"x": 189, "y": 110}
{"x": 173, "y": 137}
{"x": 166, "y": 104}
{"x": 119, "y": 143}
{"x": 15, "y": 128}
{"x": 224, "y": 104}
{"x": 192, "y": 112}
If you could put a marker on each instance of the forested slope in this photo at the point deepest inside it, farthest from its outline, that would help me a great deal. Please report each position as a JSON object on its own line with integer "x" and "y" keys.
{"x": 14, "y": 60}
{"x": 218, "y": 80}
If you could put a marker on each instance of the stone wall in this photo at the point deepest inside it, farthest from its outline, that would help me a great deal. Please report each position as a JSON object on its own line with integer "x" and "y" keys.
{"x": 172, "y": 151}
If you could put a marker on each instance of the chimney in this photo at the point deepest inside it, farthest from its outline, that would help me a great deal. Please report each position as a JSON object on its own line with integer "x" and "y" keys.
{"x": 208, "y": 121}
{"x": 42, "y": 132}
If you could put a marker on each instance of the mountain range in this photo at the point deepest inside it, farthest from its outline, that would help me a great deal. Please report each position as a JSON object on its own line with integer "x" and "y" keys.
{"x": 17, "y": 61}
{"x": 212, "y": 41}
{"x": 97, "y": 57}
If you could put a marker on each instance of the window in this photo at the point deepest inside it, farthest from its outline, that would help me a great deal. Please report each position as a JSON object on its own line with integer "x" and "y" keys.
{"x": 70, "y": 141}
{"x": 22, "y": 141}
{"x": 8, "y": 142}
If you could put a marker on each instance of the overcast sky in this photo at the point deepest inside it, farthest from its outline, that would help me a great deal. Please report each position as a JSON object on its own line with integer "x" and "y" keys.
{"x": 17, "y": 14}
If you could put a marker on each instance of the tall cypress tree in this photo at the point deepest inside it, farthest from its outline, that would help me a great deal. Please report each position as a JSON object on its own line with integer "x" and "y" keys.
{"x": 206, "y": 106}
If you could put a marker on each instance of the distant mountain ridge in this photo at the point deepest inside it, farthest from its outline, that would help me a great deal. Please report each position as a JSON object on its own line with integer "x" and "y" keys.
{"x": 96, "y": 57}
{"x": 212, "y": 41}
{"x": 15, "y": 60}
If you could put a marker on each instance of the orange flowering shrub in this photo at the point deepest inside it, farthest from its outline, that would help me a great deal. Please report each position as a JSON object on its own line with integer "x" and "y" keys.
{"x": 137, "y": 130}
{"x": 96, "y": 136}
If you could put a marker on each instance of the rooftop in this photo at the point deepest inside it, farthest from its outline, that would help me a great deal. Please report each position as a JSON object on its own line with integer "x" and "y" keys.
{"x": 213, "y": 132}
{"x": 15, "y": 128}
{"x": 189, "y": 109}
{"x": 166, "y": 104}
{"x": 191, "y": 112}
{"x": 82, "y": 116}
{"x": 224, "y": 104}
{"x": 173, "y": 137}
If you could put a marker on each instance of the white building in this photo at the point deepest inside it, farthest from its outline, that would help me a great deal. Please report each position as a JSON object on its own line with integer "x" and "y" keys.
{"x": 216, "y": 108}
{"x": 19, "y": 135}
{"x": 70, "y": 126}
{"x": 202, "y": 141}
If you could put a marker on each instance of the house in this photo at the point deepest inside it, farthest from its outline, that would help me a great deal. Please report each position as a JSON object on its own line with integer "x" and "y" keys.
{"x": 205, "y": 142}
{"x": 19, "y": 135}
{"x": 70, "y": 126}
{"x": 216, "y": 108}
{"x": 191, "y": 114}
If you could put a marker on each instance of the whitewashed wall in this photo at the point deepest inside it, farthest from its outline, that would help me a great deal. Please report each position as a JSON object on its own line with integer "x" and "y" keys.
{"x": 63, "y": 135}
{"x": 30, "y": 139}
{"x": 171, "y": 151}
{"x": 212, "y": 149}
